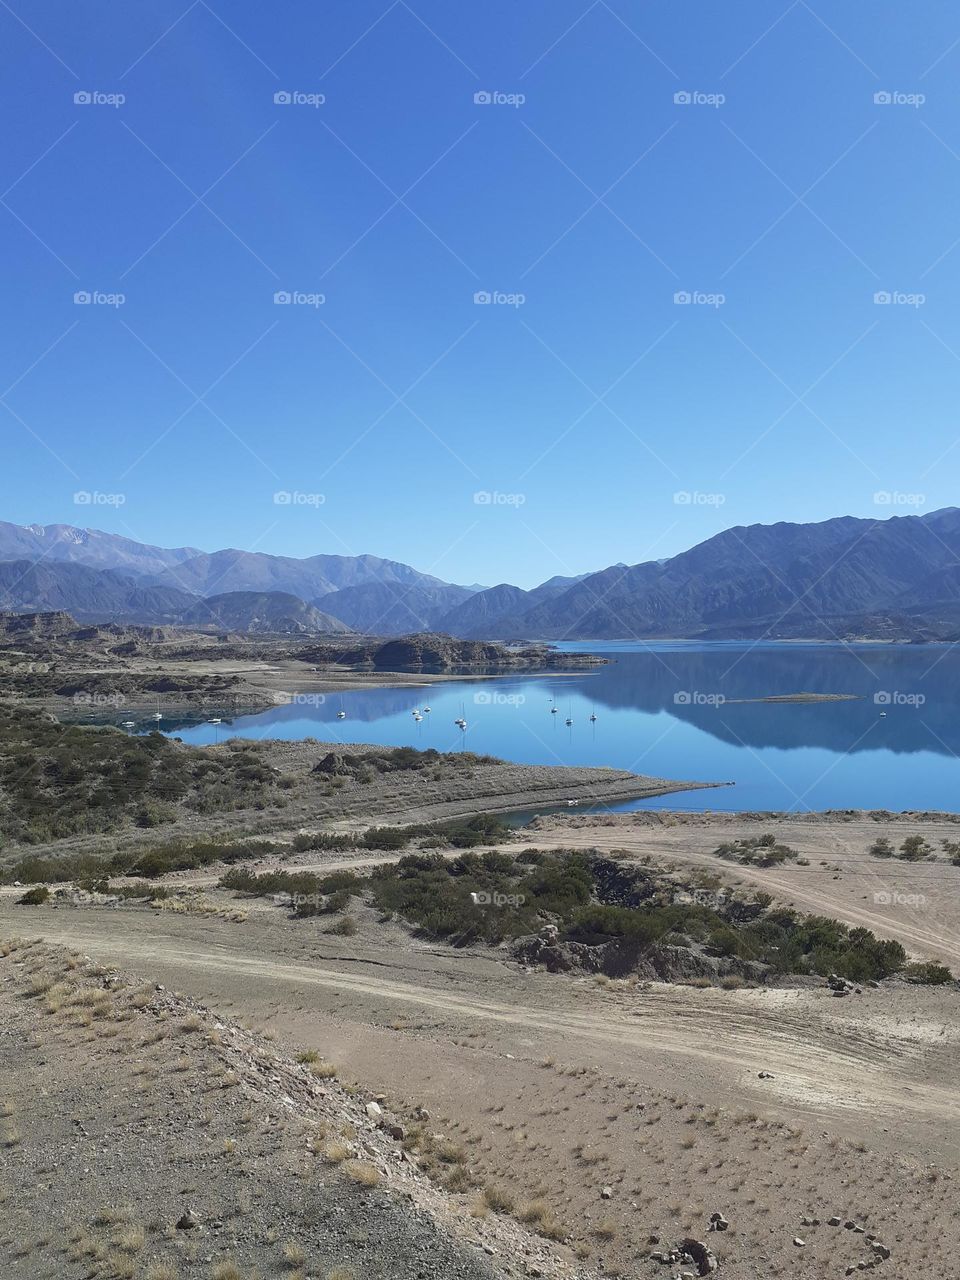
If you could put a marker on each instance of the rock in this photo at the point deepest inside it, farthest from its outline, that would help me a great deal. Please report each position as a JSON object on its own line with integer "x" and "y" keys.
{"x": 833, "y": 1222}
{"x": 607, "y": 1193}
{"x": 880, "y": 1250}
{"x": 765, "y": 1075}
{"x": 718, "y": 1222}
{"x": 374, "y": 1111}
{"x": 705, "y": 1259}
{"x": 397, "y": 1132}
{"x": 801, "y": 1244}
{"x": 653, "y": 1238}
{"x": 188, "y": 1221}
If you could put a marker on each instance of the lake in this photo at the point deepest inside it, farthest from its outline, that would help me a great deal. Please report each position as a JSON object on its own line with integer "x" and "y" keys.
{"x": 673, "y": 709}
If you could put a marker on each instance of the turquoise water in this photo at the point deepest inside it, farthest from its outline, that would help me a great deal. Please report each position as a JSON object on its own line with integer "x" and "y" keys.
{"x": 670, "y": 709}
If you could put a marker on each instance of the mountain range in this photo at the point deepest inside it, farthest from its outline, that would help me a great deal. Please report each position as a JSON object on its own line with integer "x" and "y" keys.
{"x": 893, "y": 578}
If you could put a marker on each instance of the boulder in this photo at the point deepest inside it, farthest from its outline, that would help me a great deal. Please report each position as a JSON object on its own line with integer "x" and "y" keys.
{"x": 704, "y": 1258}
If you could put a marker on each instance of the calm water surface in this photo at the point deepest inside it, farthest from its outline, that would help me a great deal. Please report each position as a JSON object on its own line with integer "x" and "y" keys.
{"x": 670, "y": 709}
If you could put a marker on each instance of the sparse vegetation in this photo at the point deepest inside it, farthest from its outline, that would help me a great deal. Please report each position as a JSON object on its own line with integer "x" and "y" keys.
{"x": 756, "y": 851}
{"x": 60, "y": 780}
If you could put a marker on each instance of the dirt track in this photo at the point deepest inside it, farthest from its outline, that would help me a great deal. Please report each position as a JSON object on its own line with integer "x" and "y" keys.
{"x": 557, "y": 1085}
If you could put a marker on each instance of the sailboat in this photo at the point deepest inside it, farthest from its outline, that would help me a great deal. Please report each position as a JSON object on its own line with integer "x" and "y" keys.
{"x": 593, "y": 717}
{"x": 157, "y": 714}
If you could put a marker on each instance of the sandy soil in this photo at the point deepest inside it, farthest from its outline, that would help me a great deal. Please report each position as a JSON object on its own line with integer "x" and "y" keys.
{"x": 560, "y": 1088}
{"x": 917, "y": 903}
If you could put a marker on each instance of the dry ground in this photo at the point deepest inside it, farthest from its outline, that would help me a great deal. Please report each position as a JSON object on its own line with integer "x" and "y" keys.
{"x": 558, "y": 1087}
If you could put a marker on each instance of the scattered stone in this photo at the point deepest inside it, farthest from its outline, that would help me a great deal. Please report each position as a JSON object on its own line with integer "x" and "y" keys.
{"x": 705, "y": 1259}
{"x": 833, "y": 1222}
{"x": 374, "y": 1111}
{"x": 607, "y": 1193}
{"x": 801, "y": 1244}
{"x": 765, "y": 1075}
{"x": 188, "y": 1221}
{"x": 718, "y": 1222}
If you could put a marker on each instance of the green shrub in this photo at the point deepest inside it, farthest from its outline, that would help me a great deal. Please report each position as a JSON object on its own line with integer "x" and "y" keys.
{"x": 34, "y": 897}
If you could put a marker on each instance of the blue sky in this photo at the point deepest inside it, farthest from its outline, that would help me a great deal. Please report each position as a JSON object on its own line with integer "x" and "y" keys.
{"x": 783, "y": 197}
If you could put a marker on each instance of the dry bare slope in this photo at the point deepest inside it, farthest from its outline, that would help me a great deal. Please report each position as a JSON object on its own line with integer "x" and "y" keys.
{"x": 143, "y": 1137}
{"x": 618, "y": 1111}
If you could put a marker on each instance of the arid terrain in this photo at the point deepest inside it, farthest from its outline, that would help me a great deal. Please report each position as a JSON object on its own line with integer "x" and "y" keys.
{"x": 626, "y": 1113}
{"x": 284, "y": 995}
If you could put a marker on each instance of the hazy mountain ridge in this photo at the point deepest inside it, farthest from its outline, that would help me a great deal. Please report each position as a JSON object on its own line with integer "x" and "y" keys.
{"x": 892, "y": 578}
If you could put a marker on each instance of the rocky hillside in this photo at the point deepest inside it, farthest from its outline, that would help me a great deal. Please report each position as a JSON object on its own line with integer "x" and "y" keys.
{"x": 445, "y": 652}
{"x": 144, "y": 1137}
{"x": 262, "y": 612}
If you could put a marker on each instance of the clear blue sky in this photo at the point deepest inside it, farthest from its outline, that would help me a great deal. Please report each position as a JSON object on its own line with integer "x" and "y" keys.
{"x": 398, "y": 399}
